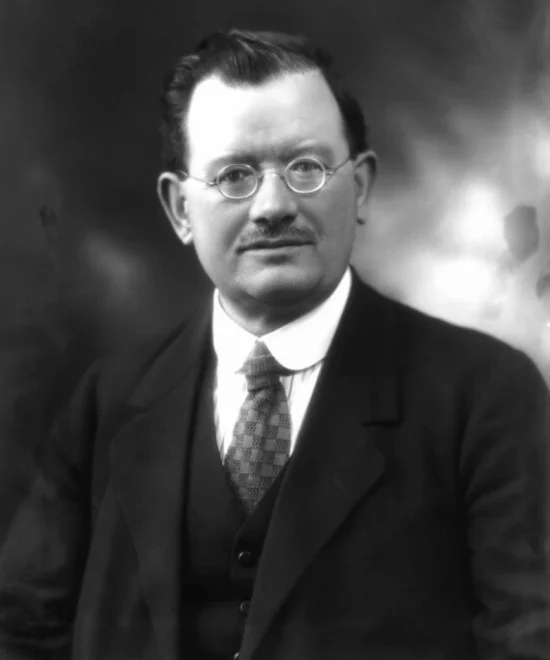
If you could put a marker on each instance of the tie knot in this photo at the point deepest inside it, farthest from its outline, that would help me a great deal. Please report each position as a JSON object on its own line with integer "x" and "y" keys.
{"x": 261, "y": 368}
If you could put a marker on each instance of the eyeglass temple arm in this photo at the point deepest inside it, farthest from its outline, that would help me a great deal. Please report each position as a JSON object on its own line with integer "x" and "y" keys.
{"x": 196, "y": 178}
{"x": 369, "y": 156}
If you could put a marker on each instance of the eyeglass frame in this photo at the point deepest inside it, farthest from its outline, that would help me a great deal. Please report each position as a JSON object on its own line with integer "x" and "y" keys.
{"x": 327, "y": 171}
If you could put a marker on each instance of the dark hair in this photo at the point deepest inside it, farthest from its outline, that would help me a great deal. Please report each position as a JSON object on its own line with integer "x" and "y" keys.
{"x": 248, "y": 58}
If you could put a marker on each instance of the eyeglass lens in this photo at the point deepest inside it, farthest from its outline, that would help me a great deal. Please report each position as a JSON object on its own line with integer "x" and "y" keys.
{"x": 302, "y": 175}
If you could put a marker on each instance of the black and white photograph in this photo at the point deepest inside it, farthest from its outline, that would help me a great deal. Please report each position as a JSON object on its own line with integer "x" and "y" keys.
{"x": 275, "y": 330}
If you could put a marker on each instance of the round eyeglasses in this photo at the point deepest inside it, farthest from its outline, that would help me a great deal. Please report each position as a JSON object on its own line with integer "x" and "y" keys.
{"x": 302, "y": 175}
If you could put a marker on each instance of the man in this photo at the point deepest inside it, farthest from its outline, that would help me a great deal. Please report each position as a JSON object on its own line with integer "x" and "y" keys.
{"x": 305, "y": 470}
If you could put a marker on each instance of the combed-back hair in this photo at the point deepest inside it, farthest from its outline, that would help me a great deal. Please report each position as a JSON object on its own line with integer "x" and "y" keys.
{"x": 248, "y": 58}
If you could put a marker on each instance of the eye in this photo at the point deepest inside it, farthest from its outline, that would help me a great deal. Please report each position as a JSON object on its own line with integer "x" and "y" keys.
{"x": 306, "y": 166}
{"x": 237, "y": 181}
{"x": 235, "y": 174}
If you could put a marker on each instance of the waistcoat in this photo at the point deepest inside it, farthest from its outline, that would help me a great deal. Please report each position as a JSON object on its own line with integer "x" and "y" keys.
{"x": 223, "y": 545}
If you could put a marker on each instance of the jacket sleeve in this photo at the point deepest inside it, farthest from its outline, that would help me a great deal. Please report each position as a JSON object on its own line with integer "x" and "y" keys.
{"x": 505, "y": 468}
{"x": 43, "y": 557}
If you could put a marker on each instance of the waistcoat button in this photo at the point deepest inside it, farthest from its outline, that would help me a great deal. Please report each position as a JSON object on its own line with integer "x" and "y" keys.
{"x": 244, "y": 606}
{"x": 246, "y": 559}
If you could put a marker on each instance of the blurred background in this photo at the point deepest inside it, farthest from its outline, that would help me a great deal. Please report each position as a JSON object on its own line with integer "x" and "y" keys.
{"x": 457, "y": 95}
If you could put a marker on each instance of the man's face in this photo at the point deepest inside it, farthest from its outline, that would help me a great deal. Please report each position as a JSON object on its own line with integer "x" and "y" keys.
{"x": 278, "y": 252}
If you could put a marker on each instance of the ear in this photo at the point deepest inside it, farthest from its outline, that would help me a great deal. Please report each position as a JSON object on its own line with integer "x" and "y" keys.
{"x": 364, "y": 175}
{"x": 172, "y": 199}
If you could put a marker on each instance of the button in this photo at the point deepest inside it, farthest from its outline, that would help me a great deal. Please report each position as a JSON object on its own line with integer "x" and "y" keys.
{"x": 246, "y": 559}
{"x": 236, "y": 656}
{"x": 244, "y": 607}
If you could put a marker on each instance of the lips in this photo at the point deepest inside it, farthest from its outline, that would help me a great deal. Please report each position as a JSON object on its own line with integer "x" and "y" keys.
{"x": 273, "y": 244}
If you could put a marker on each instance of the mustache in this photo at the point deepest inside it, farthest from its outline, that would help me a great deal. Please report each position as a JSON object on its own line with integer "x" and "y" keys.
{"x": 275, "y": 233}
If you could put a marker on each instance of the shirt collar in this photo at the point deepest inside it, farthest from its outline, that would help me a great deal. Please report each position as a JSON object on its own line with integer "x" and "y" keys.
{"x": 297, "y": 345}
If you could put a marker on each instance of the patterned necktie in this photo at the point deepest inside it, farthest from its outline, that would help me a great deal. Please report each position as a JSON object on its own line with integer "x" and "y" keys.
{"x": 261, "y": 437}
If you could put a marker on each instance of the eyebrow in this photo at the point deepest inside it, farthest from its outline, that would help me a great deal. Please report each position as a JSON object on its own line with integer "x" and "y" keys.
{"x": 285, "y": 154}
{"x": 321, "y": 148}
{"x": 232, "y": 157}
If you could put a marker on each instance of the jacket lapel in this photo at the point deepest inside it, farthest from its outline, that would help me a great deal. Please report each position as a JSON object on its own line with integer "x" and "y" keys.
{"x": 148, "y": 461}
{"x": 337, "y": 460}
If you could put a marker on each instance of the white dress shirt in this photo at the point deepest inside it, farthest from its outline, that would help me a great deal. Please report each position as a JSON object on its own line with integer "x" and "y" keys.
{"x": 301, "y": 346}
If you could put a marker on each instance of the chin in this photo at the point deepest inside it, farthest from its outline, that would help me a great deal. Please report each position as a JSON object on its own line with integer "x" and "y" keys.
{"x": 290, "y": 286}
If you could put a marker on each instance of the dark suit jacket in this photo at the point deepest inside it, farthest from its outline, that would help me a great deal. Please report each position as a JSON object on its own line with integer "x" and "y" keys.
{"x": 412, "y": 523}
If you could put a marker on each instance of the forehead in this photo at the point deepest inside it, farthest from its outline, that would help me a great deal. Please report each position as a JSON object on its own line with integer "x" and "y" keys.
{"x": 264, "y": 120}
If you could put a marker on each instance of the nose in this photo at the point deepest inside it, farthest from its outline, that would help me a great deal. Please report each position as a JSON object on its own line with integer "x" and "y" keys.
{"x": 273, "y": 202}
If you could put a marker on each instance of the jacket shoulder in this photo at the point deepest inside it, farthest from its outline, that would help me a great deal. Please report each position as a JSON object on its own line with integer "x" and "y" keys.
{"x": 443, "y": 346}
{"x": 109, "y": 382}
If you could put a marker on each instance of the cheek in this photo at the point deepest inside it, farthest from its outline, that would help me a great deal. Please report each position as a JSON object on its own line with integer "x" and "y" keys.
{"x": 214, "y": 229}
{"x": 339, "y": 220}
